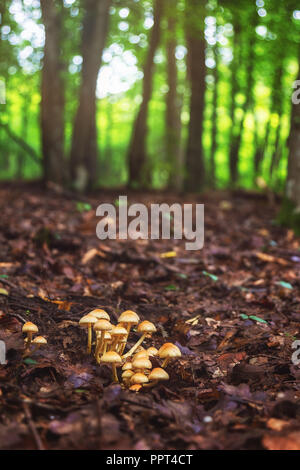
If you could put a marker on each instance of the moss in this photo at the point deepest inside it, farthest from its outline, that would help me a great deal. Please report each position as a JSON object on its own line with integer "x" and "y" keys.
{"x": 288, "y": 216}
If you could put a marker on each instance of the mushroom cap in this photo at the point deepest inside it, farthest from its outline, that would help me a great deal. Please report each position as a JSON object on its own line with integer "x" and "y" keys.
{"x": 129, "y": 317}
{"x": 99, "y": 313}
{"x": 139, "y": 378}
{"x": 87, "y": 320}
{"x": 169, "y": 350}
{"x": 158, "y": 374}
{"x": 127, "y": 366}
{"x": 152, "y": 351}
{"x": 146, "y": 327}
{"x": 39, "y": 340}
{"x": 135, "y": 388}
{"x": 142, "y": 363}
{"x": 111, "y": 357}
{"x": 29, "y": 327}
{"x": 102, "y": 325}
{"x": 127, "y": 374}
{"x": 142, "y": 353}
{"x": 118, "y": 331}
{"x": 107, "y": 336}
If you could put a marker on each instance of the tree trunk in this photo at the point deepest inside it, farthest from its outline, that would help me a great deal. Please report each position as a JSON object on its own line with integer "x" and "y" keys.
{"x": 52, "y": 100}
{"x": 293, "y": 179}
{"x": 84, "y": 151}
{"x": 195, "y": 169}
{"x": 173, "y": 109}
{"x": 137, "y": 148}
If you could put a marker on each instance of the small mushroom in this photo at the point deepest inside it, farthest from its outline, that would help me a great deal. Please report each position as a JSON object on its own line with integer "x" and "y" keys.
{"x": 139, "y": 378}
{"x": 157, "y": 375}
{"x": 146, "y": 328}
{"x": 127, "y": 366}
{"x": 86, "y": 322}
{"x": 29, "y": 328}
{"x": 128, "y": 319}
{"x": 38, "y": 342}
{"x": 126, "y": 376}
{"x": 101, "y": 326}
{"x": 100, "y": 314}
{"x": 167, "y": 351}
{"x": 113, "y": 358}
{"x": 118, "y": 333}
{"x": 135, "y": 388}
{"x": 141, "y": 364}
{"x": 152, "y": 351}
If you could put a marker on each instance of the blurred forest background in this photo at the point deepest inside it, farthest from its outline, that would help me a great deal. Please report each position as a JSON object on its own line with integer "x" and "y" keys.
{"x": 176, "y": 94}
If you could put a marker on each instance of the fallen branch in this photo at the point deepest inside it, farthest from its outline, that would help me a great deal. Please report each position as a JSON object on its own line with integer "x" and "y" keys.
{"x": 19, "y": 141}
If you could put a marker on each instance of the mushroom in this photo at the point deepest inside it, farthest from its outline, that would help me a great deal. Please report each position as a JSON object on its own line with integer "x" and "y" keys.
{"x": 99, "y": 314}
{"x": 135, "y": 388}
{"x": 101, "y": 326}
{"x": 113, "y": 358}
{"x": 156, "y": 375}
{"x": 128, "y": 319}
{"x": 127, "y": 366}
{"x": 86, "y": 322}
{"x": 141, "y": 364}
{"x": 139, "y": 379}
{"x": 127, "y": 374}
{"x": 146, "y": 328}
{"x": 142, "y": 353}
{"x": 29, "y": 328}
{"x": 38, "y": 342}
{"x": 152, "y": 351}
{"x": 167, "y": 351}
{"x": 118, "y": 333}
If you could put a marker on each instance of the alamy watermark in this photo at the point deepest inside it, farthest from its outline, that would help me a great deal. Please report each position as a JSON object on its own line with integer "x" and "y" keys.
{"x": 160, "y": 221}
{"x": 2, "y": 353}
{"x": 296, "y": 354}
{"x": 296, "y": 94}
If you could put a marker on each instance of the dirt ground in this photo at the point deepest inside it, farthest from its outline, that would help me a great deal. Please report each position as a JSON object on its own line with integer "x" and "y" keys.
{"x": 232, "y": 308}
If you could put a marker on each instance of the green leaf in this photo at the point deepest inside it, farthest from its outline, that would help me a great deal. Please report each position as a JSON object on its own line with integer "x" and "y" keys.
{"x": 80, "y": 390}
{"x": 244, "y": 316}
{"x": 183, "y": 276}
{"x": 255, "y": 318}
{"x": 29, "y": 361}
{"x": 171, "y": 287}
{"x": 212, "y": 276}
{"x": 286, "y": 285}
{"x": 83, "y": 206}
{"x": 5, "y": 276}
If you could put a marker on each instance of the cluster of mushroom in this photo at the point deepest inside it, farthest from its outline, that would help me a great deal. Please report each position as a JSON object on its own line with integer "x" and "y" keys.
{"x": 111, "y": 341}
{"x": 30, "y": 329}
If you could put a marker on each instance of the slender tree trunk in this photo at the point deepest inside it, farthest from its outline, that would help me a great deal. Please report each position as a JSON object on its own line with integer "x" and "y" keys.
{"x": 21, "y": 153}
{"x": 52, "y": 102}
{"x": 214, "y": 130}
{"x": 195, "y": 169}
{"x": 293, "y": 179}
{"x": 84, "y": 151}
{"x": 173, "y": 109}
{"x": 137, "y": 155}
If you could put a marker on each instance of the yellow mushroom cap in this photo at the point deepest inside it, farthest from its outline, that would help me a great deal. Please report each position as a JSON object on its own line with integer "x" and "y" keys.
{"x": 102, "y": 325}
{"x": 107, "y": 336}
{"x": 152, "y": 351}
{"x": 158, "y": 374}
{"x": 129, "y": 317}
{"x": 87, "y": 320}
{"x": 135, "y": 388}
{"x": 139, "y": 378}
{"x": 127, "y": 366}
{"x": 29, "y": 327}
{"x": 169, "y": 350}
{"x": 39, "y": 340}
{"x": 146, "y": 327}
{"x": 118, "y": 331}
{"x": 111, "y": 357}
{"x": 142, "y": 353}
{"x": 99, "y": 314}
{"x": 127, "y": 374}
{"x": 142, "y": 363}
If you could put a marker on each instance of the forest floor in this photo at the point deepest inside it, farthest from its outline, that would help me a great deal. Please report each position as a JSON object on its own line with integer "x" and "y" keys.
{"x": 232, "y": 308}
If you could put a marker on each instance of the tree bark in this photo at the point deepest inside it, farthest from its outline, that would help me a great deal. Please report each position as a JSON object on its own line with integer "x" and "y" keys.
{"x": 195, "y": 169}
{"x": 84, "y": 150}
{"x": 52, "y": 96}
{"x": 173, "y": 109}
{"x": 137, "y": 155}
{"x": 293, "y": 179}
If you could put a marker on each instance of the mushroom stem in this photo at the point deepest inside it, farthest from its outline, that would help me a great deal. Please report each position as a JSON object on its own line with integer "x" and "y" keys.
{"x": 114, "y": 373}
{"x": 134, "y": 348}
{"x": 29, "y": 339}
{"x": 99, "y": 345}
{"x": 165, "y": 363}
{"x": 128, "y": 328}
{"x": 89, "y": 345}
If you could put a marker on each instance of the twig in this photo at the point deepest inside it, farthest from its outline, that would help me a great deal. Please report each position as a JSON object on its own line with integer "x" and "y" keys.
{"x": 32, "y": 427}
